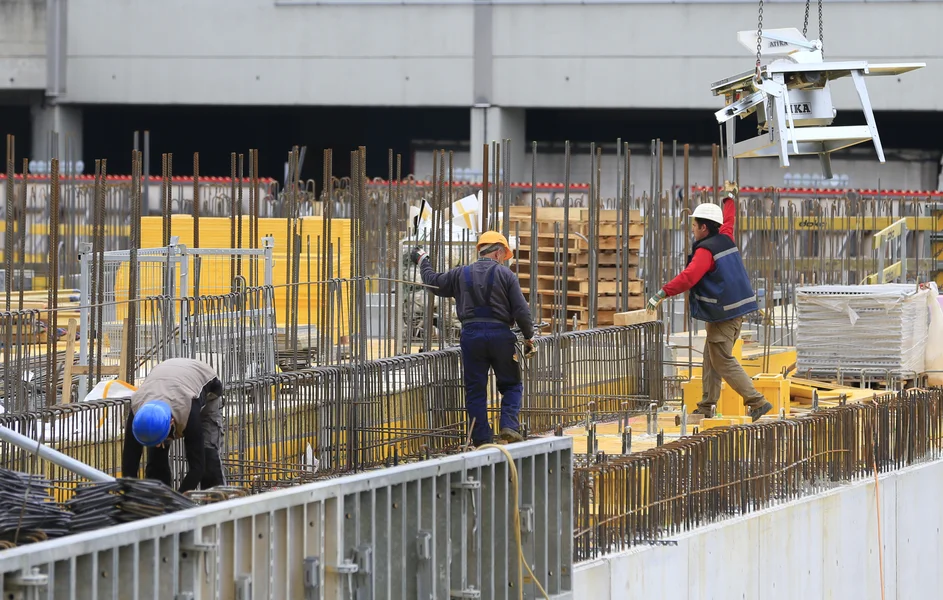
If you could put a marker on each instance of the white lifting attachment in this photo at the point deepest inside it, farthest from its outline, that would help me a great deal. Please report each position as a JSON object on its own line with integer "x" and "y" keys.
{"x": 792, "y": 100}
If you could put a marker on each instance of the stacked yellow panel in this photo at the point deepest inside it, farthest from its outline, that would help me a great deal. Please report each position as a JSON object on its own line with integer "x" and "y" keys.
{"x": 216, "y": 273}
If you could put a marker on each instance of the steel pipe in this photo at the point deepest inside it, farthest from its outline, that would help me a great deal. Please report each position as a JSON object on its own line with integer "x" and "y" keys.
{"x": 54, "y": 456}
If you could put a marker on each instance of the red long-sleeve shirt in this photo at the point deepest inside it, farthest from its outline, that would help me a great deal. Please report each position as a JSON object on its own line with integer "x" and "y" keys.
{"x": 703, "y": 260}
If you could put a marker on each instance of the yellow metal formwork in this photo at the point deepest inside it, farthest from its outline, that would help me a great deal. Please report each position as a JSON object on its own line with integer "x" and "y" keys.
{"x": 216, "y": 272}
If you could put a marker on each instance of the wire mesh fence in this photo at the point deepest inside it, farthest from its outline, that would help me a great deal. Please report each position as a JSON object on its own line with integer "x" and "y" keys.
{"x": 646, "y": 497}
{"x": 288, "y": 427}
{"x": 598, "y": 373}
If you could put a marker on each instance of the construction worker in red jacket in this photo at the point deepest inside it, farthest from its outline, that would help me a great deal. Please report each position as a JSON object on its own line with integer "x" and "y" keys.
{"x": 720, "y": 295}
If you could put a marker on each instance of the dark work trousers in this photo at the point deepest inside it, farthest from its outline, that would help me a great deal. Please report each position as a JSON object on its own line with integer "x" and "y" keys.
{"x": 490, "y": 346}
{"x": 158, "y": 458}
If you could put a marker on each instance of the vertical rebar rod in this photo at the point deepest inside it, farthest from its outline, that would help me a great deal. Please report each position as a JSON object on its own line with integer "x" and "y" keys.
{"x": 495, "y": 184}
{"x": 440, "y": 250}
{"x": 100, "y": 288}
{"x": 8, "y": 234}
{"x": 24, "y": 186}
{"x": 715, "y": 174}
{"x": 8, "y": 276}
{"x": 164, "y": 202}
{"x": 392, "y": 253}
{"x": 688, "y": 321}
{"x": 564, "y": 257}
{"x": 232, "y": 213}
{"x": 592, "y": 250}
{"x": 135, "y": 243}
{"x": 429, "y": 308}
{"x": 52, "y": 333}
{"x": 484, "y": 187}
{"x": 450, "y": 262}
{"x": 627, "y": 224}
{"x": 534, "y": 239}
{"x": 401, "y": 213}
{"x": 196, "y": 204}
{"x": 506, "y": 215}
{"x": 239, "y": 212}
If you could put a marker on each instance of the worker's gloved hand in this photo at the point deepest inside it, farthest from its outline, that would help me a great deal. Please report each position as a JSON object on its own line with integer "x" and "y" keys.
{"x": 655, "y": 300}
{"x": 530, "y": 350}
{"x": 731, "y": 190}
{"x": 417, "y": 255}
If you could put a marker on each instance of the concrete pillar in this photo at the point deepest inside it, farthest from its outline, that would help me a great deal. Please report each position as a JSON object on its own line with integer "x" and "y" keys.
{"x": 67, "y": 122}
{"x": 495, "y": 124}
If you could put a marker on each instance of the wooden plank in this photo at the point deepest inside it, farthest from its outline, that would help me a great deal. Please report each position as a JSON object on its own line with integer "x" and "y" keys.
{"x": 612, "y": 287}
{"x": 634, "y": 317}
{"x": 604, "y": 273}
{"x": 106, "y": 370}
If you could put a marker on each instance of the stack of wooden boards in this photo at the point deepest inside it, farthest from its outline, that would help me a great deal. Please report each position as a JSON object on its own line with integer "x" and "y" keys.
{"x": 574, "y": 256}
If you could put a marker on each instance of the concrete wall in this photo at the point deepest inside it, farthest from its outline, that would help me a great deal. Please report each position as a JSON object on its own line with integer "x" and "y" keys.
{"x": 861, "y": 173}
{"x": 667, "y": 54}
{"x": 824, "y": 546}
{"x": 451, "y": 52}
{"x": 22, "y": 44}
{"x": 255, "y": 52}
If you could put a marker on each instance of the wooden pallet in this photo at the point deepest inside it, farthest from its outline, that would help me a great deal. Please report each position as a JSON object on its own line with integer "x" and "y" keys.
{"x": 552, "y": 252}
{"x": 603, "y": 242}
{"x": 605, "y": 269}
{"x": 554, "y": 213}
{"x": 577, "y": 258}
{"x": 580, "y": 302}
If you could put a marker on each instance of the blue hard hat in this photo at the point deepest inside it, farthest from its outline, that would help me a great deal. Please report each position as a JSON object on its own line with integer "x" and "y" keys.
{"x": 151, "y": 424}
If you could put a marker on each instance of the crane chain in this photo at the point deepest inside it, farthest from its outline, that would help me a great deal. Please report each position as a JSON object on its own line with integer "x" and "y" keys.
{"x": 805, "y": 24}
{"x": 759, "y": 41}
{"x": 821, "y": 31}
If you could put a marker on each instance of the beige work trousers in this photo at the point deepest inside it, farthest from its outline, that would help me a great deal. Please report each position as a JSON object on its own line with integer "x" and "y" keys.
{"x": 719, "y": 363}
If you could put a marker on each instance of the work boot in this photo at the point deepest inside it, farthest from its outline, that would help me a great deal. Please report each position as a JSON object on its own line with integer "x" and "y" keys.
{"x": 479, "y": 443}
{"x": 510, "y": 436}
{"x": 759, "y": 410}
{"x": 707, "y": 411}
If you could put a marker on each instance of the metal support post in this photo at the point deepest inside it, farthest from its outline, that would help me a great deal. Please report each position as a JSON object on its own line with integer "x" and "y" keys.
{"x": 54, "y": 456}
{"x": 85, "y": 253}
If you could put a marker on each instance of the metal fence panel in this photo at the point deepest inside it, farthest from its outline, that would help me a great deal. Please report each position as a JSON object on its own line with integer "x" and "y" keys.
{"x": 395, "y": 533}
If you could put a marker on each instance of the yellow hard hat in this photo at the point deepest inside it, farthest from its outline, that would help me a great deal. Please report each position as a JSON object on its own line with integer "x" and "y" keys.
{"x": 493, "y": 237}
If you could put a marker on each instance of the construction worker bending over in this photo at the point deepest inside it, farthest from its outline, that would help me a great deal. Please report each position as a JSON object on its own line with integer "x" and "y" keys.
{"x": 180, "y": 397}
{"x": 488, "y": 299}
{"x": 720, "y": 294}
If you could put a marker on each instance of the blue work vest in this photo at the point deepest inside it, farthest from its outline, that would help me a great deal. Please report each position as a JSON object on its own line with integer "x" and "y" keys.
{"x": 724, "y": 292}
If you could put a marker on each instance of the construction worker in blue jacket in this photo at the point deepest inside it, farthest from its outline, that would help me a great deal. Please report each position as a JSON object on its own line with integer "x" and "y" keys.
{"x": 720, "y": 295}
{"x": 488, "y": 300}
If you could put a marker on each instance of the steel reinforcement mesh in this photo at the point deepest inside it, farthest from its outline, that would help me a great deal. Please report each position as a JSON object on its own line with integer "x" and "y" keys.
{"x": 297, "y": 426}
{"x": 647, "y": 497}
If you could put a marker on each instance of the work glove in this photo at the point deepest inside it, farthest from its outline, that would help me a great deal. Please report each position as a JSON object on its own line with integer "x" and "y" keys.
{"x": 417, "y": 255}
{"x": 655, "y": 300}
{"x": 530, "y": 350}
{"x": 731, "y": 189}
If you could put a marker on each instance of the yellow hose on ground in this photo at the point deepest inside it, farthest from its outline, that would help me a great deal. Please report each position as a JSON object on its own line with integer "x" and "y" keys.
{"x": 517, "y": 525}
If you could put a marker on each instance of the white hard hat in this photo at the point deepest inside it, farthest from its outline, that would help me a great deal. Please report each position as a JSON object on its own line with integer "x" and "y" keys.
{"x": 709, "y": 212}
